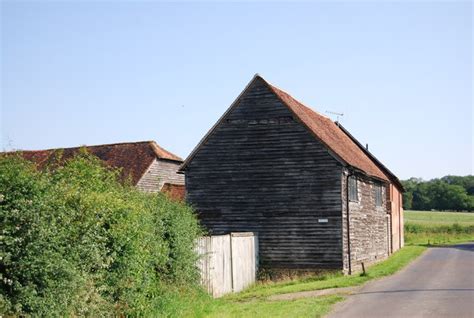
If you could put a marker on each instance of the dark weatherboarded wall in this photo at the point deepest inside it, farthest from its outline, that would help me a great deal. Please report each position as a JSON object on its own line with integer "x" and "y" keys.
{"x": 262, "y": 171}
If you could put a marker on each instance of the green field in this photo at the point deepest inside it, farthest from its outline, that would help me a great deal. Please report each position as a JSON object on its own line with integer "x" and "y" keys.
{"x": 438, "y": 228}
{"x": 432, "y": 218}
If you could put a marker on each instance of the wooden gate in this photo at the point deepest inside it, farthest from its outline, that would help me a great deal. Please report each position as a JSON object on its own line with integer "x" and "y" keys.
{"x": 228, "y": 263}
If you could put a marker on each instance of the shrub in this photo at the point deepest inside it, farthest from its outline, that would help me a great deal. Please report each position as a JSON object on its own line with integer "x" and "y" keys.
{"x": 75, "y": 241}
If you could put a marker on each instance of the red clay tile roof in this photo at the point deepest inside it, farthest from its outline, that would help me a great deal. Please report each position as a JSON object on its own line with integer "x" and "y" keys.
{"x": 175, "y": 192}
{"x": 331, "y": 135}
{"x": 133, "y": 158}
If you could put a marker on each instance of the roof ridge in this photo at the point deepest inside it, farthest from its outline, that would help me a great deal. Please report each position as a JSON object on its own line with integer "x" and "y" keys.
{"x": 98, "y": 145}
{"x": 157, "y": 149}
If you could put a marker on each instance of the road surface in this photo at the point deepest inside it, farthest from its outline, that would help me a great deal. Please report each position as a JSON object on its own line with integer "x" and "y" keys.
{"x": 440, "y": 283}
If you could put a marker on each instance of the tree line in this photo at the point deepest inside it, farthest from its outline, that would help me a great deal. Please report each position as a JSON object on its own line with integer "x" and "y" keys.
{"x": 449, "y": 193}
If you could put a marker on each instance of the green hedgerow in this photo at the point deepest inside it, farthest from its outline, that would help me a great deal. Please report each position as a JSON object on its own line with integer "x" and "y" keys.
{"x": 76, "y": 242}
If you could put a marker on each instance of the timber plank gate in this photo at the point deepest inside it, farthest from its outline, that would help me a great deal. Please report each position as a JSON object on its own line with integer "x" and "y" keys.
{"x": 227, "y": 263}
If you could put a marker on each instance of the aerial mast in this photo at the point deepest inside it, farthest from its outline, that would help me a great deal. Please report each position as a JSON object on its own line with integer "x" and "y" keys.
{"x": 337, "y": 115}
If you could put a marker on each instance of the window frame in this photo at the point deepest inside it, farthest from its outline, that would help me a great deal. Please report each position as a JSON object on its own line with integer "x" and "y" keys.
{"x": 353, "y": 190}
{"x": 378, "y": 194}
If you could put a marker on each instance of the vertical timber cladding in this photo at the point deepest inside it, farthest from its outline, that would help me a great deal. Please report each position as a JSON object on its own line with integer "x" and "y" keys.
{"x": 369, "y": 225}
{"x": 262, "y": 171}
{"x": 395, "y": 206}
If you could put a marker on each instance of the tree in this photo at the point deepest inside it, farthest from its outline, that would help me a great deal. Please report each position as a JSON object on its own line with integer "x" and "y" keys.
{"x": 466, "y": 182}
{"x": 421, "y": 197}
{"x": 449, "y": 193}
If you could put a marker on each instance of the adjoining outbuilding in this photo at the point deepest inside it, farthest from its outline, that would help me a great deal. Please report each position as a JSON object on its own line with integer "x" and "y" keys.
{"x": 303, "y": 183}
{"x": 145, "y": 164}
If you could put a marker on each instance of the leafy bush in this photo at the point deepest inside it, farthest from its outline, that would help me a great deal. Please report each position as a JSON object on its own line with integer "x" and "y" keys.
{"x": 76, "y": 242}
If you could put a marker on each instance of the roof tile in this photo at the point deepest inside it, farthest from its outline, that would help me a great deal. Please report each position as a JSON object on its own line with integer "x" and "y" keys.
{"x": 133, "y": 158}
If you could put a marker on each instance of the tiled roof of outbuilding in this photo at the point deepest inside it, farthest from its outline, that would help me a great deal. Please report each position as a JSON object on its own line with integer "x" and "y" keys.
{"x": 133, "y": 158}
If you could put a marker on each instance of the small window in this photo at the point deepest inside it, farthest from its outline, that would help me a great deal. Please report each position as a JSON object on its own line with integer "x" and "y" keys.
{"x": 353, "y": 189}
{"x": 378, "y": 195}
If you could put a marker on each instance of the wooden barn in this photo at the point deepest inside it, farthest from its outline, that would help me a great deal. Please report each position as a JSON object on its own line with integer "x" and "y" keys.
{"x": 303, "y": 183}
{"x": 148, "y": 166}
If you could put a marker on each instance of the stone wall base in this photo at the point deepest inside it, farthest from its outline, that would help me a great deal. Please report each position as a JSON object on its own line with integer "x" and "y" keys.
{"x": 357, "y": 267}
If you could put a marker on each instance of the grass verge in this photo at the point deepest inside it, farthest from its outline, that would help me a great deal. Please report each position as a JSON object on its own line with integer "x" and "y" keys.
{"x": 305, "y": 307}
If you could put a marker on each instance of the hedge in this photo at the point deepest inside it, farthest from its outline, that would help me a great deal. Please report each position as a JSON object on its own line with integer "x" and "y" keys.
{"x": 77, "y": 242}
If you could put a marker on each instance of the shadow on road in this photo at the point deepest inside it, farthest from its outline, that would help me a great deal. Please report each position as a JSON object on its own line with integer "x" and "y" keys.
{"x": 464, "y": 247}
{"x": 417, "y": 290}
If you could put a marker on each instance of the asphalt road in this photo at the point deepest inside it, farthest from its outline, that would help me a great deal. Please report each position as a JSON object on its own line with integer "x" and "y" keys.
{"x": 440, "y": 283}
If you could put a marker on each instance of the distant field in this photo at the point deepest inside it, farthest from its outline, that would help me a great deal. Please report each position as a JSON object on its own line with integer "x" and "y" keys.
{"x": 432, "y": 228}
{"x": 441, "y": 218}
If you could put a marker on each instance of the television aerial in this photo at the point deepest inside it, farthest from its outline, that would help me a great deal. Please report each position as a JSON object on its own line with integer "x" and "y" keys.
{"x": 335, "y": 113}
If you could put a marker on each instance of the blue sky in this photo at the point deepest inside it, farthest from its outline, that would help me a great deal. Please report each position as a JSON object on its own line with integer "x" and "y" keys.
{"x": 75, "y": 73}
